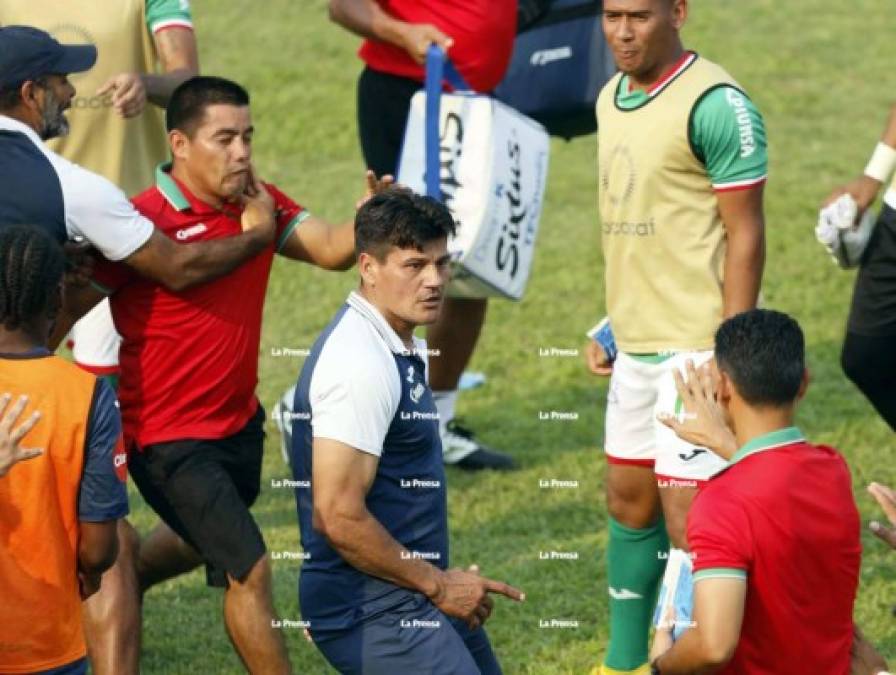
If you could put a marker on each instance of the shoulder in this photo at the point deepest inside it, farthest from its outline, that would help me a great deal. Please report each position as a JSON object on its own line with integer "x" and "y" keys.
{"x": 151, "y": 203}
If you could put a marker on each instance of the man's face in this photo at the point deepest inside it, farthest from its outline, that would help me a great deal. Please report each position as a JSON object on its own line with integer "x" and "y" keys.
{"x": 218, "y": 155}
{"x": 54, "y": 94}
{"x": 410, "y": 284}
{"x": 642, "y": 32}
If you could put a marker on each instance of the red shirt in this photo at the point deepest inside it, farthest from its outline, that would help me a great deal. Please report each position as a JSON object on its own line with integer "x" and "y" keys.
{"x": 482, "y": 30}
{"x": 783, "y": 516}
{"x": 189, "y": 360}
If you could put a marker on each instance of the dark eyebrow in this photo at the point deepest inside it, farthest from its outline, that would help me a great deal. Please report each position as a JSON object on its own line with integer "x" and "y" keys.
{"x": 229, "y": 131}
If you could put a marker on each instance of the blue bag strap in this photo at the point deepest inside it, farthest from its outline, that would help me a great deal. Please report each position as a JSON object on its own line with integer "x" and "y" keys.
{"x": 438, "y": 69}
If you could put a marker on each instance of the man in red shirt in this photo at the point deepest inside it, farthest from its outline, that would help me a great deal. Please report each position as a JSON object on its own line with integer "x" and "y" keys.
{"x": 478, "y": 35}
{"x": 775, "y": 535}
{"x": 192, "y": 422}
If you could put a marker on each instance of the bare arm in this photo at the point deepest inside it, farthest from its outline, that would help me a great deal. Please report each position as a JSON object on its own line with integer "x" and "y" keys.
{"x": 741, "y": 211}
{"x": 97, "y": 551}
{"x": 865, "y": 189}
{"x": 367, "y": 19}
{"x": 331, "y": 247}
{"x": 179, "y": 59}
{"x": 710, "y": 643}
{"x": 180, "y": 266}
{"x": 79, "y": 299}
{"x": 341, "y": 478}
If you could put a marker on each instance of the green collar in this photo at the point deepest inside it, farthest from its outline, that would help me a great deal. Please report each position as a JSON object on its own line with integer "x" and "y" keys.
{"x": 169, "y": 188}
{"x": 769, "y": 441}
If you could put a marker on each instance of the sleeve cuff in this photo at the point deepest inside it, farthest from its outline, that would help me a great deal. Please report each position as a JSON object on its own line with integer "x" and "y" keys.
{"x": 104, "y": 515}
{"x": 299, "y": 218}
{"x": 720, "y": 573}
{"x": 360, "y": 446}
{"x": 164, "y": 24}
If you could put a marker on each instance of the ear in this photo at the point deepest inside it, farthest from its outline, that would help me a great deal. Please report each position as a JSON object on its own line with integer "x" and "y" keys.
{"x": 804, "y": 384}
{"x": 679, "y": 13}
{"x": 724, "y": 386}
{"x": 32, "y": 95}
{"x": 179, "y": 143}
{"x": 368, "y": 267}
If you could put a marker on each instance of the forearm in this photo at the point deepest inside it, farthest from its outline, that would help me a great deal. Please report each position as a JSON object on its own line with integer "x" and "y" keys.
{"x": 744, "y": 264}
{"x": 366, "y": 545}
{"x": 367, "y": 19}
{"x": 688, "y": 657}
{"x": 341, "y": 247}
{"x": 159, "y": 87}
{"x": 201, "y": 262}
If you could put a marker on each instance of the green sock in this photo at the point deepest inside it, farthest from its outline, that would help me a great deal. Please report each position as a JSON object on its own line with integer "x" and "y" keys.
{"x": 634, "y": 571}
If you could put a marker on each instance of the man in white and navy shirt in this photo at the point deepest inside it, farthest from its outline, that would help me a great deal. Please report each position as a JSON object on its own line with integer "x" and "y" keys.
{"x": 43, "y": 189}
{"x": 375, "y": 588}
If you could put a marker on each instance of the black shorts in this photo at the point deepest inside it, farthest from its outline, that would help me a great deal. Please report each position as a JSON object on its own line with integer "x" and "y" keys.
{"x": 383, "y": 104}
{"x": 873, "y": 311}
{"x": 203, "y": 489}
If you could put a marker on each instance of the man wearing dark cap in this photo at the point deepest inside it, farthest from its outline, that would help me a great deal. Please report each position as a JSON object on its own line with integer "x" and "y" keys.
{"x": 43, "y": 189}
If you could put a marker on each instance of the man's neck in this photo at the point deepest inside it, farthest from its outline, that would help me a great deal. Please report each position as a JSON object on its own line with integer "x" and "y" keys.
{"x": 19, "y": 116}
{"x": 646, "y": 81}
{"x": 197, "y": 191}
{"x": 750, "y": 423}
{"x": 18, "y": 342}
{"x": 402, "y": 328}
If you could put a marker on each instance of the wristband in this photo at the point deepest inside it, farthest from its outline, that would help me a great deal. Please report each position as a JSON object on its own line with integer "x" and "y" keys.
{"x": 882, "y": 163}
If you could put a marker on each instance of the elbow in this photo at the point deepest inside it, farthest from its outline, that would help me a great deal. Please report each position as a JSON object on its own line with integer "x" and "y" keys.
{"x": 343, "y": 264}
{"x": 717, "y": 652}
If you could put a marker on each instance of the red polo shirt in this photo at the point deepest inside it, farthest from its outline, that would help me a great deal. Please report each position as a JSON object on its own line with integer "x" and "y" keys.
{"x": 189, "y": 360}
{"x": 482, "y": 30}
{"x": 783, "y": 517}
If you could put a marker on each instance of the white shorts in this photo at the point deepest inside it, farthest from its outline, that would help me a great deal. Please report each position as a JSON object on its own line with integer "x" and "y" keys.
{"x": 633, "y": 435}
{"x": 96, "y": 341}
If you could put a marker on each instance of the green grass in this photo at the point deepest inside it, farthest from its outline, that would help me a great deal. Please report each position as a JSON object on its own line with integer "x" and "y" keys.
{"x": 820, "y": 73}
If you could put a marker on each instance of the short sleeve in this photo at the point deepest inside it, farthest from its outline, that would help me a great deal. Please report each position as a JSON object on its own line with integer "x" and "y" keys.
{"x": 719, "y": 536}
{"x": 289, "y": 214}
{"x": 728, "y": 135}
{"x": 162, "y": 14}
{"x": 354, "y": 397}
{"x": 103, "y": 495}
{"x": 99, "y": 212}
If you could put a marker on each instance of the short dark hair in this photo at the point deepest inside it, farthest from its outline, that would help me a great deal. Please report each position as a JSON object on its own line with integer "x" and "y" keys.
{"x": 399, "y": 217}
{"x": 763, "y": 352}
{"x": 186, "y": 108}
{"x": 31, "y": 267}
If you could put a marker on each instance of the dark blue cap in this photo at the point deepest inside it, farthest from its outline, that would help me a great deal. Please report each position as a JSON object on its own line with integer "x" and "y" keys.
{"x": 26, "y": 53}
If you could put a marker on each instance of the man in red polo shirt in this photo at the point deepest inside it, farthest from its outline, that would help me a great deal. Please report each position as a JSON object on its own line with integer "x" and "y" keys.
{"x": 192, "y": 422}
{"x": 478, "y": 35}
{"x": 773, "y": 528}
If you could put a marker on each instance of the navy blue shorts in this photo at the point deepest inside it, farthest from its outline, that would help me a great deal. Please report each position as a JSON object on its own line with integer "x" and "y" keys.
{"x": 78, "y": 667}
{"x": 413, "y": 637}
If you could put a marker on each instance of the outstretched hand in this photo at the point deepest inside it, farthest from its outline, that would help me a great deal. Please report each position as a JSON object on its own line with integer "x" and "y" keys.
{"x": 703, "y": 421}
{"x": 374, "y": 186}
{"x": 10, "y": 451}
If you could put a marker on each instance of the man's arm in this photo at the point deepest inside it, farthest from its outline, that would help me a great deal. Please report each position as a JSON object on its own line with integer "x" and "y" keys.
{"x": 97, "y": 551}
{"x": 367, "y": 19}
{"x": 710, "y": 643}
{"x": 331, "y": 247}
{"x": 866, "y": 187}
{"x": 341, "y": 478}
{"x": 741, "y": 211}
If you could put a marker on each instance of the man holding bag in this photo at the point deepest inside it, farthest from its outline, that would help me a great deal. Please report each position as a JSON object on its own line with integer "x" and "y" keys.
{"x": 478, "y": 36}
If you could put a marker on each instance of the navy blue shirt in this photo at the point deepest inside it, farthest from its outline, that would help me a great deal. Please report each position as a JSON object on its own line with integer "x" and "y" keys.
{"x": 361, "y": 386}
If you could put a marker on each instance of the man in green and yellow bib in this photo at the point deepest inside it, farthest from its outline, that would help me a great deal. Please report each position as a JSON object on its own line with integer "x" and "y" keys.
{"x": 682, "y": 165}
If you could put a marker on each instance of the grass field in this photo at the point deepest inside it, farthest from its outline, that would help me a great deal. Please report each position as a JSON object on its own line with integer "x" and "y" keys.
{"x": 819, "y": 72}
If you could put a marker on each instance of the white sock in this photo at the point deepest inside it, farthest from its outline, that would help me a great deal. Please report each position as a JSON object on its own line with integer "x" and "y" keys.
{"x": 445, "y": 402}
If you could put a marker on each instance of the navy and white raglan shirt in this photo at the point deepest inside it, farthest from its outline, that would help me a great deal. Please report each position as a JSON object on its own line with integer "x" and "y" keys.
{"x": 361, "y": 386}
{"x": 69, "y": 202}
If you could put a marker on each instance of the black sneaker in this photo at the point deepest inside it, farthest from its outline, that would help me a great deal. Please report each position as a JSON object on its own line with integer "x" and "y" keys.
{"x": 460, "y": 450}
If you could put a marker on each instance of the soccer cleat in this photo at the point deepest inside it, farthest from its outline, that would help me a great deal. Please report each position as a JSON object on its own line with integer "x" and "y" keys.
{"x": 460, "y": 450}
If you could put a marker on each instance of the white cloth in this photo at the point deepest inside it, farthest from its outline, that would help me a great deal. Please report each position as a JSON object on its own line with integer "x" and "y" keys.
{"x": 355, "y": 390}
{"x": 95, "y": 209}
{"x": 838, "y": 232}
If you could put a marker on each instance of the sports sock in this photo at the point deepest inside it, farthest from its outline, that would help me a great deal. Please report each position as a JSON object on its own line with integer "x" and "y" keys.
{"x": 634, "y": 570}
{"x": 445, "y": 402}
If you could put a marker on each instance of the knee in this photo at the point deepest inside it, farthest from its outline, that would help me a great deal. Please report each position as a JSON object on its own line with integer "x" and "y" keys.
{"x": 257, "y": 581}
{"x": 632, "y": 507}
{"x": 857, "y": 364}
{"x": 128, "y": 542}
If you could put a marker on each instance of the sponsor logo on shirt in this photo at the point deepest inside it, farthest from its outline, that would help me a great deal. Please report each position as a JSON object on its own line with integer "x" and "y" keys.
{"x": 744, "y": 123}
{"x": 120, "y": 460}
{"x": 545, "y": 56}
{"x": 188, "y": 232}
{"x": 622, "y": 166}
